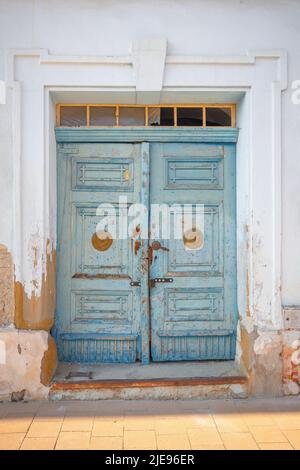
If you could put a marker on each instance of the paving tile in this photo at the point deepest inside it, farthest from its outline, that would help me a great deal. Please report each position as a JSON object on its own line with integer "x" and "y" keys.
{"x": 38, "y": 443}
{"x": 48, "y": 419}
{"x": 185, "y": 421}
{"x": 238, "y": 441}
{"x": 138, "y": 406}
{"x": 106, "y": 443}
{"x": 227, "y": 407}
{"x": 173, "y": 442}
{"x": 201, "y": 420}
{"x": 288, "y": 420}
{"x": 258, "y": 419}
{"x": 44, "y": 429}
{"x": 15, "y": 423}
{"x": 11, "y": 441}
{"x": 134, "y": 423}
{"x": 73, "y": 441}
{"x": 267, "y": 434}
{"x": 107, "y": 427}
{"x": 276, "y": 446}
{"x": 230, "y": 423}
{"x": 194, "y": 406}
{"x": 78, "y": 423}
{"x": 106, "y": 409}
{"x": 139, "y": 440}
{"x": 51, "y": 409}
{"x": 208, "y": 447}
{"x": 169, "y": 426}
{"x": 204, "y": 437}
{"x": 50, "y": 413}
{"x": 294, "y": 438}
{"x": 22, "y": 407}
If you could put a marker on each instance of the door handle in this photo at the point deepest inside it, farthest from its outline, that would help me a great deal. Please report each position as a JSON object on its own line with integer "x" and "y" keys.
{"x": 157, "y": 246}
{"x": 154, "y": 247}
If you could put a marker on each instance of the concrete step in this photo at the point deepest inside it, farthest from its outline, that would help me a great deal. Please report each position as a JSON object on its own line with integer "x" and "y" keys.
{"x": 169, "y": 381}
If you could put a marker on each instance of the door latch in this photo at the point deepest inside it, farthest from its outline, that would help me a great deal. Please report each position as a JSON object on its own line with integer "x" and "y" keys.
{"x": 160, "y": 280}
{"x": 156, "y": 245}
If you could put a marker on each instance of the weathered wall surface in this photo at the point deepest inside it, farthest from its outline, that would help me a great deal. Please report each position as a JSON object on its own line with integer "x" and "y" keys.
{"x": 37, "y": 311}
{"x": 6, "y": 288}
{"x": 24, "y": 364}
{"x": 27, "y": 258}
{"x": 28, "y": 355}
{"x": 291, "y": 351}
{"x": 262, "y": 358}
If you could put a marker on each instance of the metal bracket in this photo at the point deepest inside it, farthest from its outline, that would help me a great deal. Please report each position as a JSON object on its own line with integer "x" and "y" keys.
{"x": 135, "y": 283}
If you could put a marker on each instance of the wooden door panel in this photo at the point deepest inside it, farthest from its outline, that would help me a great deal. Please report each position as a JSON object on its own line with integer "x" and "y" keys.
{"x": 194, "y": 316}
{"x": 99, "y": 312}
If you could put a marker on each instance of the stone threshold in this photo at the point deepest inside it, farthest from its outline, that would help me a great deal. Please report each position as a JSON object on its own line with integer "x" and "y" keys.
{"x": 161, "y": 381}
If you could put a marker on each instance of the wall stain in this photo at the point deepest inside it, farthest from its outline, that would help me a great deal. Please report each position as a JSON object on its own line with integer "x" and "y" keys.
{"x": 6, "y": 287}
{"x": 37, "y": 312}
{"x": 49, "y": 362}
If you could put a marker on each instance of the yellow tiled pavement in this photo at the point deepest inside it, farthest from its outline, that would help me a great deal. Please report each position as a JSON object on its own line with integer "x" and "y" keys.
{"x": 265, "y": 434}
{"x": 108, "y": 427}
{"x": 78, "y": 423}
{"x": 173, "y": 442}
{"x": 44, "y": 429}
{"x": 239, "y": 441}
{"x": 73, "y": 440}
{"x": 163, "y": 425}
{"x": 293, "y": 437}
{"x": 140, "y": 440}
{"x": 204, "y": 437}
{"x": 38, "y": 443}
{"x": 106, "y": 443}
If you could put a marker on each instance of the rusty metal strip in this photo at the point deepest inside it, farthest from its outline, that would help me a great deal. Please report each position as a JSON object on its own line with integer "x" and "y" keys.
{"x": 148, "y": 383}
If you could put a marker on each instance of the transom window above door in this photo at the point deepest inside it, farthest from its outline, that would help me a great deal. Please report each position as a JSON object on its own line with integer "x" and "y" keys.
{"x": 124, "y": 115}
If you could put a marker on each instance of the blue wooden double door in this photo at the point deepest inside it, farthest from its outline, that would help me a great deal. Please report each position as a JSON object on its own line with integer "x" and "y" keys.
{"x": 143, "y": 293}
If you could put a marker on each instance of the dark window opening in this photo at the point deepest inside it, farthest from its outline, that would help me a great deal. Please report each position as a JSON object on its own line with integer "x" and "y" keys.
{"x": 189, "y": 117}
{"x": 161, "y": 116}
{"x": 218, "y": 117}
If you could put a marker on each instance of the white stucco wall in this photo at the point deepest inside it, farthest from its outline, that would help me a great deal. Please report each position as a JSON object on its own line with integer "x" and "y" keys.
{"x": 192, "y": 27}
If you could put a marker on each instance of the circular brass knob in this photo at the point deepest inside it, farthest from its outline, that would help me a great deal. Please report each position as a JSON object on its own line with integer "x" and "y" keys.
{"x": 193, "y": 239}
{"x": 102, "y": 241}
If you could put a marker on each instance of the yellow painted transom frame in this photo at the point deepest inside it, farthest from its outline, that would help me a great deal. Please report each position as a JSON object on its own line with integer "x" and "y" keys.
{"x": 122, "y": 115}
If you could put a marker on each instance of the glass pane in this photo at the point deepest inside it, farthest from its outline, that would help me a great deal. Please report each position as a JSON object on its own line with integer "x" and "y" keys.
{"x": 73, "y": 116}
{"x": 161, "y": 116}
{"x": 218, "y": 117}
{"x": 102, "y": 116}
{"x": 189, "y": 117}
{"x": 154, "y": 116}
{"x": 132, "y": 116}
